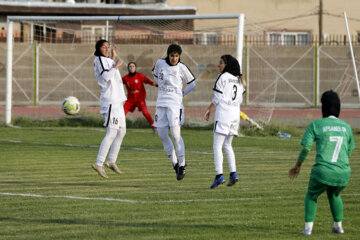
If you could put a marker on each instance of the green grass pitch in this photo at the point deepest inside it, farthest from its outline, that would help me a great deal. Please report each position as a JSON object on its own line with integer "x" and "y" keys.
{"x": 49, "y": 191}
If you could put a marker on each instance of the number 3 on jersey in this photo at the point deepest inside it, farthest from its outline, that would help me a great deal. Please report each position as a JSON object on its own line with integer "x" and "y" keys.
{"x": 337, "y": 149}
{"x": 234, "y": 92}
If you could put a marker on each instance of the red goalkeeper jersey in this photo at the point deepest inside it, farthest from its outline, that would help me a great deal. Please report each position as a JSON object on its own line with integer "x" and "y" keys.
{"x": 135, "y": 86}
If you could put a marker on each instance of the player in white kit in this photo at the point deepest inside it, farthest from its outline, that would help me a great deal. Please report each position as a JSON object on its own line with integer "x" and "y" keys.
{"x": 170, "y": 73}
{"x": 112, "y": 100}
{"x": 228, "y": 91}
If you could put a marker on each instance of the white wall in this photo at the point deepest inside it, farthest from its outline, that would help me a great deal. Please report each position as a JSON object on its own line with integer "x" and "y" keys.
{"x": 260, "y": 12}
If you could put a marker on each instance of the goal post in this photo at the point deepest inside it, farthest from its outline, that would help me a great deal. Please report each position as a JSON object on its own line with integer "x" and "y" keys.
{"x": 160, "y": 30}
{"x": 9, "y": 55}
{"x": 352, "y": 54}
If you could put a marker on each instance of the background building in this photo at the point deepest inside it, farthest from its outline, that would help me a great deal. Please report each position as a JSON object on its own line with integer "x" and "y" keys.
{"x": 288, "y": 22}
{"x": 269, "y": 22}
{"x": 284, "y": 61}
{"x": 78, "y": 8}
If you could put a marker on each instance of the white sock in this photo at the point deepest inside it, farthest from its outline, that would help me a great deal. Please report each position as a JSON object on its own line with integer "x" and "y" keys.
{"x": 179, "y": 144}
{"x": 218, "y": 154}
{"x": 105, "y": 146}
{"x": 116, "y": 144}
{"x": 230, "y": 153}
{"x": 337, "y": 224}
{"x": 309, "y": 225}
{"x": 167, "y": 143}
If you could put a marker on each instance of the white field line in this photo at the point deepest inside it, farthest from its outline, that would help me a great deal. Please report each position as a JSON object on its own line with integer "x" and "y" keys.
{"x": 135, "y": 148}
{"x": 156, "y": 201}
{"x": 68, "y": 197}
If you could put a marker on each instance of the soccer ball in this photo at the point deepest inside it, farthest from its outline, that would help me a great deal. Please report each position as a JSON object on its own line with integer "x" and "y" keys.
{"x": 71, "y": 105}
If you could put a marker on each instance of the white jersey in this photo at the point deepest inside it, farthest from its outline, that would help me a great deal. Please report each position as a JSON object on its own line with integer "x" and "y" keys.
{"x": 109, "y": 80}
{"x": 170, "y": 80}
{"x": 228, "y": 95}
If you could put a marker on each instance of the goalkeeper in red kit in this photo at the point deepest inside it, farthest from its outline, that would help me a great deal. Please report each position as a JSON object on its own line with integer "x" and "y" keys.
{"x": 134, "y": 83}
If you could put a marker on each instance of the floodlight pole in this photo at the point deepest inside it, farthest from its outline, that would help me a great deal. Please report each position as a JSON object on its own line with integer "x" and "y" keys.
{"x": 321, "y": 23}
{"x": 352, "y": 55}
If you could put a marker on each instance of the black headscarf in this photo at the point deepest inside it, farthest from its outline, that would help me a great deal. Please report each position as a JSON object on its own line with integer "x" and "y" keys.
{"x": 232, "y": 65}
{"x": 330, "y": 104}
{"x": 130, "y": 73}
{"x": 98, "y": 45}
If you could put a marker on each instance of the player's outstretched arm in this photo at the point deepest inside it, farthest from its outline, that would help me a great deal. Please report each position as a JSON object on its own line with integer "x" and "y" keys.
{"x": 148, "y": 81}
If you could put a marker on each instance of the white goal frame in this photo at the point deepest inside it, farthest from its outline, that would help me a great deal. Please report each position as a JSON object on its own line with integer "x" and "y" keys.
{"x": 12, "y": 19}
{"x": 352, "y": 54}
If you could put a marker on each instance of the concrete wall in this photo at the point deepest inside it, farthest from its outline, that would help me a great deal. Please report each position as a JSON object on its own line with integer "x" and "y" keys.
{"x": 261, "y": 13}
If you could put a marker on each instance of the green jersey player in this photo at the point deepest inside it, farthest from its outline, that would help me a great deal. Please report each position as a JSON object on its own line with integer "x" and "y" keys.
{"x": 331, "y": 171}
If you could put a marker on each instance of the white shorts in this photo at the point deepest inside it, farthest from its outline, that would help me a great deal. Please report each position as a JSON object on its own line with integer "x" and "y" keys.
{"x": 227, "y": 128}
{"x": 114, "y": 116}
{"x": 168, "y": 117}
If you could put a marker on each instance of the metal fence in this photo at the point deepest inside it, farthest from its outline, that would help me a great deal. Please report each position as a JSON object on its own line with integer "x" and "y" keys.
{"x": 277, "y": 76}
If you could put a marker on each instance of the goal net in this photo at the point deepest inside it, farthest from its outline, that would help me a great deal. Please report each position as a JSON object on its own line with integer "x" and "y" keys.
{"x": 52, "y": 57}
